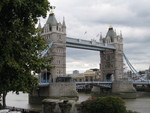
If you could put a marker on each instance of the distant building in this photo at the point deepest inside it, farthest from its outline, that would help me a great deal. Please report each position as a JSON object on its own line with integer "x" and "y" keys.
{"x": 79, "y": 78}
{"x": 75, "y": 72}
{"x": 148, "y": 73}
{"x": 88, "y": 75}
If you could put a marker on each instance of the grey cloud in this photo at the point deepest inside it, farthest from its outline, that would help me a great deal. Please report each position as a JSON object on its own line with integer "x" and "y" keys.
{"x": 138, "y": 40}
{"x": 83, "y": 55}
{"x": 130, "y": 16}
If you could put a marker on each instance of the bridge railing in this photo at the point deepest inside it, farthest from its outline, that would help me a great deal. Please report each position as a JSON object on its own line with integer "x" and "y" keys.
{"x": 94, "y": 82}
{"x": 141, "y": 82}
{"x": 44, "y": 81}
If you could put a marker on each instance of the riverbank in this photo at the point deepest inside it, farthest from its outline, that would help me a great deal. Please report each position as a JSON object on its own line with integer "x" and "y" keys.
{"x": 141, "y": 104}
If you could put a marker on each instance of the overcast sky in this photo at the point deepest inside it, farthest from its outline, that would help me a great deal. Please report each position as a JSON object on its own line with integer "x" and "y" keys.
{"x": 131, "y": 17}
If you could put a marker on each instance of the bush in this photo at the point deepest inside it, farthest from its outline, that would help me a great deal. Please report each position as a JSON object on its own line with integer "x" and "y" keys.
{"x": 104, "y": 105}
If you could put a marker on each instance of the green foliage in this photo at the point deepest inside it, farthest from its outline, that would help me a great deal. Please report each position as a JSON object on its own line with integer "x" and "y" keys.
{"x": 104, "y": 105}
{"x": 20, "y": 43}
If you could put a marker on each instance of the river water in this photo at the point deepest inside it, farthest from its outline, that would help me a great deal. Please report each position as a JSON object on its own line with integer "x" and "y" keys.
{"x": 141, "y": 104}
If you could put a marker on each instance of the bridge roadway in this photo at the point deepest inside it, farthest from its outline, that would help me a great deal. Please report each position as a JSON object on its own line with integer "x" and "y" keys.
{"x": 97, "y": 83}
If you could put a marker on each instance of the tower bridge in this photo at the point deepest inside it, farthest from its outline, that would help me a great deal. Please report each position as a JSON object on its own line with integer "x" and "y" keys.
{"x": 110, "y": 48}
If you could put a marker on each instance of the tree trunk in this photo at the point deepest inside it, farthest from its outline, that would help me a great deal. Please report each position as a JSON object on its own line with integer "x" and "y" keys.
{"x": 4, "y": 99}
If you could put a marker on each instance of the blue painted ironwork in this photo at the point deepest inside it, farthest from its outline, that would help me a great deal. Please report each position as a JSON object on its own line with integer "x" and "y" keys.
{"x": 44, "y": 84}
{"x": 43, "y": 53}
{"x": 131, "y": 67}
{"x": 44, "y": 81}
{"x": 97, "y": 83}
{"x": 94, "y": 83}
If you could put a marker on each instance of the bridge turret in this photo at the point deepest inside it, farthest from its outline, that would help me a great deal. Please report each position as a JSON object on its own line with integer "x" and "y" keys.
{"x": 55, "y": 32}
{"x": 101, "y": 38}
{"x": 112, "y": 61}
{"x": 64, "y": 25}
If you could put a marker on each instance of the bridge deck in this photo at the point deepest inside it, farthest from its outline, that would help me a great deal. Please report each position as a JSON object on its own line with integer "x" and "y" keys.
{"x": 105, "y": 83}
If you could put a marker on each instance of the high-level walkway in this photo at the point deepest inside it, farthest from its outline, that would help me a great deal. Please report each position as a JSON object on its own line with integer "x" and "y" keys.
{"x": 82, "y": 44}
{"x": 89, "y": 45}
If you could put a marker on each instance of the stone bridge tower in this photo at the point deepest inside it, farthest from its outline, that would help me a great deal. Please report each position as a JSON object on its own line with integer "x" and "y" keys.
{"x": 55, "y": 33}
{"x": 112, "y": 60}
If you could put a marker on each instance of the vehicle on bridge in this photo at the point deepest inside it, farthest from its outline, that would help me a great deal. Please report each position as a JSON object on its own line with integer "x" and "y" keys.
{"x": 64, "y": 79}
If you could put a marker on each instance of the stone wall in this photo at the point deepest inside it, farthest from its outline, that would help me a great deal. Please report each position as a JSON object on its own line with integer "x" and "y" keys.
{"x": 123, "y": 89}
{"x": 60, "y": 106}
{"x": 63, "y": 89}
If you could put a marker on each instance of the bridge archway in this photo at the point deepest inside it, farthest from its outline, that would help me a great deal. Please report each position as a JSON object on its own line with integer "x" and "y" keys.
{"x": 81, "y": 60}
{"x": 45, "y": 77}
{"x": 109, "y": 77}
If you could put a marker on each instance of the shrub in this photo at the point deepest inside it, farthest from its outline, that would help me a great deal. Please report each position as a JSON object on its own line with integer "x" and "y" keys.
{"x": 104, "y": 105}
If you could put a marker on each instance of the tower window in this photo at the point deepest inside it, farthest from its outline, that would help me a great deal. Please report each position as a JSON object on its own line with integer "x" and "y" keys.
{"x": 50, "y": 28}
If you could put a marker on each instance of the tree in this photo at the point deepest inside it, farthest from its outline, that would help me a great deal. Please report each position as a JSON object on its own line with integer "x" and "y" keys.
{"x": 20, "y": 44}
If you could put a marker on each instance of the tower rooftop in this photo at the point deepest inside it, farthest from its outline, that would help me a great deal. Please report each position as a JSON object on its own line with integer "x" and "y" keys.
{"x": 111, "y": 33}
{"x": 51, "y": 19}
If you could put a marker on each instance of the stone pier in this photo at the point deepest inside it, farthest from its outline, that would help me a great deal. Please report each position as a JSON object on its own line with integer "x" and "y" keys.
{"x": 57, "y": 90}
{"x": 124, "y": 89}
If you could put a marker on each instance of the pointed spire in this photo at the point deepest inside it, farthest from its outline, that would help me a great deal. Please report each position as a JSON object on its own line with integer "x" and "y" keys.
{"x": 115, "y": 32}
{"x": 101, "y": 37}
{"x": 121, "y": 33}
{"x": 64, "y": 24}
{"x": 39, "y": 26}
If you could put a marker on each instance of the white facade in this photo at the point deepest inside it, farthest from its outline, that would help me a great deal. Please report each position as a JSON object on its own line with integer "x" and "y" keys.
{"x": 56, "y": 32}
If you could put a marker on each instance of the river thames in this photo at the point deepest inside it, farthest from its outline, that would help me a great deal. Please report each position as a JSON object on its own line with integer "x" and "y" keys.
{"x": 141, "y": 104}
